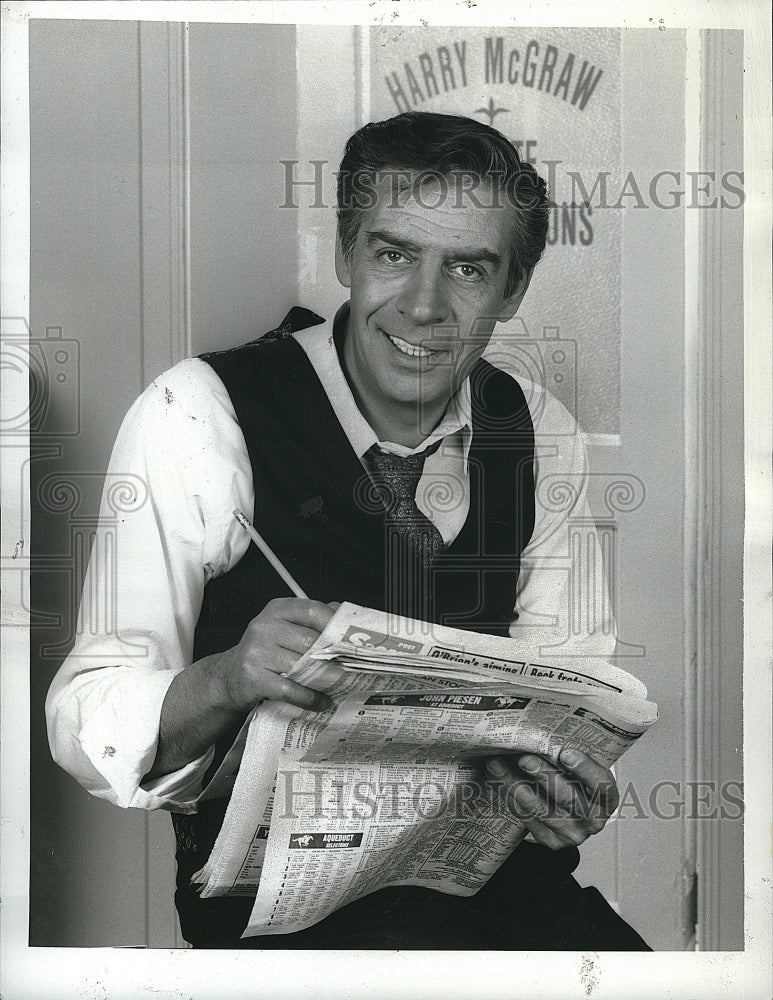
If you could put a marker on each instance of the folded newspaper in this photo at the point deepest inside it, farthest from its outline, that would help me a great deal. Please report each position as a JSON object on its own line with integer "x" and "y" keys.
{"x": 389, "y": 786}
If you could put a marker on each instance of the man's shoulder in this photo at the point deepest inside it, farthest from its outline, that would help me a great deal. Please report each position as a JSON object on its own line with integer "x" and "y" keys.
{"x": 182, "y": 425}
{"x": 261, "y": 367}
{"x": 190, "y": 383}
{"x": 298, "y": 318}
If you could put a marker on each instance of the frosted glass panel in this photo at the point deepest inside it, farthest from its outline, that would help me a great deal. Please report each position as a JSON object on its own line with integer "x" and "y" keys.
{"x": 556, "y": 92}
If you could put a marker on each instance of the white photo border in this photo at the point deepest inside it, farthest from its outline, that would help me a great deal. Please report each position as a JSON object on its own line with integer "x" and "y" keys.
{"x": 101, "y": 972}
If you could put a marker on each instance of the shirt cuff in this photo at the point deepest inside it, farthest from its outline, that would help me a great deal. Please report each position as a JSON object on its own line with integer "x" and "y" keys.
{"x": 178, "y": 790}
{"x": 123, "y": 754}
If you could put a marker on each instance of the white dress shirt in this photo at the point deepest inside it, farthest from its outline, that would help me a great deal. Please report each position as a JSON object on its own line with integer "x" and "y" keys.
{"x": 181, "y": 443}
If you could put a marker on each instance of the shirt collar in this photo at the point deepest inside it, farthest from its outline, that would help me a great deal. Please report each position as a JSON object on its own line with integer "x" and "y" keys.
{"x": 318, "y": 344}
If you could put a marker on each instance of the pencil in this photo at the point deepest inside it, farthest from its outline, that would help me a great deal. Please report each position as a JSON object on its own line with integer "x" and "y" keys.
{"x": 269, "y": 554}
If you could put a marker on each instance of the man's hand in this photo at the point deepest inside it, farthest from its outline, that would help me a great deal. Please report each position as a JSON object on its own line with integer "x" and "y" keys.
{"x": 207, "y": 699}
{"x": 272, "y": 644}
{"x": 561, "y": 806}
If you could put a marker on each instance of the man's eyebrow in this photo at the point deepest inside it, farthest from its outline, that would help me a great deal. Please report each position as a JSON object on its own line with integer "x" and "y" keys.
{"x": 475, "y": 255}
{"x": 381, "y": 236}
{"x": 479, "y": 255}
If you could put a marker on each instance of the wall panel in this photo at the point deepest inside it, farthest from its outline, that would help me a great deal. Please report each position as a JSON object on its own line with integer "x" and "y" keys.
{"x": 85, "y": 288}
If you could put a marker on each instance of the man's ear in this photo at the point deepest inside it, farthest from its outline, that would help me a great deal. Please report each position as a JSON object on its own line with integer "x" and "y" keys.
{"x": 512, "y": 303}
{"x": 343, "y": 269}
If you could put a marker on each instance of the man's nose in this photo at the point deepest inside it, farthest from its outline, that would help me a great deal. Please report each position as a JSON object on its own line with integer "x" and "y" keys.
{"x": 423, "y": 299}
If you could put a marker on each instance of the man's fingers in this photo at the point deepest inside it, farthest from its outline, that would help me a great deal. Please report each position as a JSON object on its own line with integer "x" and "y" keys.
{"x": 525, "y": 801}
{"x": 554, "y": 807}
{"x": 566, "y": 797}
{"x": 296, "y": 638}
{"x": 281, "y": 688}
{"x": 594, "y": 777}
{"x": 551, "y": 779}
{"x": 522, "y": 800}
{"x": 556, "y": 840}
{"x": 279, "y": 661}
{"x": 299, "y": 611}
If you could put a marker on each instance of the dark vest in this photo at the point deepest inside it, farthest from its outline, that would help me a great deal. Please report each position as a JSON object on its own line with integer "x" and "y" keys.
{"x": 315, "y": 508}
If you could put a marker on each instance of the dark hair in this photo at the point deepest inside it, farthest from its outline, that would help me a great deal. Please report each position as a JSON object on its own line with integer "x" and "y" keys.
{"x": 445, "y": 145}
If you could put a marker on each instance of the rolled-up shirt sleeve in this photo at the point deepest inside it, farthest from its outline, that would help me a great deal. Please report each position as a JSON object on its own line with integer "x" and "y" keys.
{"x": 179, "y": 464}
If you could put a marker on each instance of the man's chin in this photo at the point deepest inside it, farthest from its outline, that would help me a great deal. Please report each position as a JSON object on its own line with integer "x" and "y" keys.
{"x": 422, "y": 397}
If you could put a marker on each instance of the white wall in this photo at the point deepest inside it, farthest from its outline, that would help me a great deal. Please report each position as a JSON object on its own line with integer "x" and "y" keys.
{"x": 136, "y": 129}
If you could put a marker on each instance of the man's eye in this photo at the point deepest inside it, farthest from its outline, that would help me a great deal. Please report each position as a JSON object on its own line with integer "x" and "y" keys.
{"x": 392, "y": 256}
{"x": 468, "y": 271}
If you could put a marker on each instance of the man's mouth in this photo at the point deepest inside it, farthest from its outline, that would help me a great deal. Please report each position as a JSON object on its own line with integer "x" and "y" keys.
{"x": 409, "y": 349}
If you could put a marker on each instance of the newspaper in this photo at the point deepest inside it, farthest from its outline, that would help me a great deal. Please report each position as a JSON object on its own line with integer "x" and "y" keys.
{"x": 389, "y": 786}
{"x": 364, "y": 639}
{"x": 235, "y": 864}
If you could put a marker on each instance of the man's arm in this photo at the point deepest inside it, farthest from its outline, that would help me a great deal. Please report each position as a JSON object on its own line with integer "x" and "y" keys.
{"x": 124, "y": 678}
{"x": 208, "y": 698}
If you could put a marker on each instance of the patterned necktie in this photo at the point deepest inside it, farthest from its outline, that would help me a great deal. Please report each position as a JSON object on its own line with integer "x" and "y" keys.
{"x": 396, "y": 480}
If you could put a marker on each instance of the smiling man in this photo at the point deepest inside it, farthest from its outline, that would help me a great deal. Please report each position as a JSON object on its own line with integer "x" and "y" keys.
{"x": 387, "y": 463}
{"x": 430, "y": 274}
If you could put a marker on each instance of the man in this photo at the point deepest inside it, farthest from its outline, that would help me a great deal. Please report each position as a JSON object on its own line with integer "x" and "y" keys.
{"x": 440, "y": 227}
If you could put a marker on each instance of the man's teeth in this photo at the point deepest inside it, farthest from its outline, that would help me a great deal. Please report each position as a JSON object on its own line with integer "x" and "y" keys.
{"x": 410, "y": 349}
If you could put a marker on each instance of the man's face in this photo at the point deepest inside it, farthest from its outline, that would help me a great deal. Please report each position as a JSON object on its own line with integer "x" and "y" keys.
{"x": 427, "y": 287}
